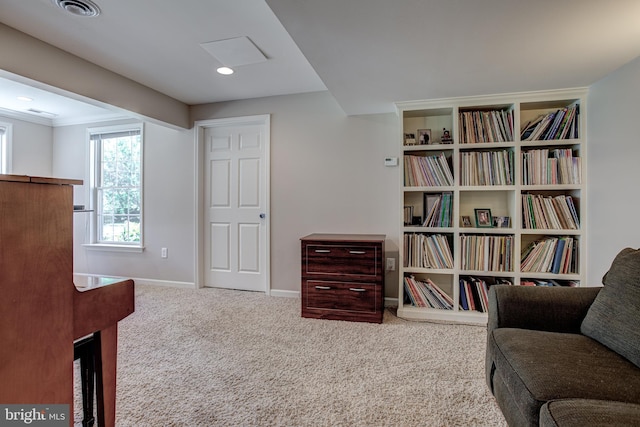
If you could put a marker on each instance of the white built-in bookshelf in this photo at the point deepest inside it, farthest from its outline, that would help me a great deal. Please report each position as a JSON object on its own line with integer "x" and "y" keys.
{"x": 494, "y": 192}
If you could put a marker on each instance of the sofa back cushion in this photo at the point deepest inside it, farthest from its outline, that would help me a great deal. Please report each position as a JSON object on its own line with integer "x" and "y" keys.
{"x": 613, "y": 318}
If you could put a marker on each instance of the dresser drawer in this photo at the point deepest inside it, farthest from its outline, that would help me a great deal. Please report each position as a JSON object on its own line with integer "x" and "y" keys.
{"x": 345, "y": 296}
{"x": 342, "y": 260}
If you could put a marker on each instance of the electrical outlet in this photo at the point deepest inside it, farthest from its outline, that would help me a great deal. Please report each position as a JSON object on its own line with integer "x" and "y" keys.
{"x": 164, "y": 253}
{"x": 391, "y": 264}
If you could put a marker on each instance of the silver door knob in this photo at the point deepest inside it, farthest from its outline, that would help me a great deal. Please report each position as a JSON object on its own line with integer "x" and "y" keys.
{"x": 263, "y": 215}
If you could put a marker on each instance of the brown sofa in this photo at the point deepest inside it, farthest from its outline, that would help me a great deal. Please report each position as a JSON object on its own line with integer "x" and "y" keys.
{"x": 561, "y": 356}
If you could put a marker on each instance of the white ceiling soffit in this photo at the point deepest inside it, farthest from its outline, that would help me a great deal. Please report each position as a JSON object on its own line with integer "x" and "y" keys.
{"x": 235, "y": 52}
{"x": 49, "y": 106}
{"x": 372, "y": 53}
{"x": 369, "y": 53}
{"x": 157, "y": 43}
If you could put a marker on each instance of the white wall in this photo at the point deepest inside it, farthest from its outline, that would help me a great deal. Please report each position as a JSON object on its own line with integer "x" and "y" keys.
{"x": 613, "y": 168}
{"x": 31, "y": 148}
{"x": 327, "y": 175}
{"x": 168, "y": 205}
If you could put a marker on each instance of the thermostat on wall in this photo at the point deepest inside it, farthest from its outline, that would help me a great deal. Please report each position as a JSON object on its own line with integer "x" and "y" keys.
{"x": 391, "y": 161}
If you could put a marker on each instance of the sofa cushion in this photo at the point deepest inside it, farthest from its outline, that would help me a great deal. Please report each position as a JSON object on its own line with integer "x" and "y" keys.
{"x": 613, "y": 317}
{"x": 538, "y": 366}
{"x": 587, "y": 412}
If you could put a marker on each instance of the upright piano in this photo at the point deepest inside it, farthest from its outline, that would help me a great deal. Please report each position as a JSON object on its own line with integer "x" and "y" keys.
{"x": 42, "y": 312}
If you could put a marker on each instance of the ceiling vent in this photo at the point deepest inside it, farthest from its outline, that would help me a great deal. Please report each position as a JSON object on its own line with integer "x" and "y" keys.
{"x": 79, "y": 7}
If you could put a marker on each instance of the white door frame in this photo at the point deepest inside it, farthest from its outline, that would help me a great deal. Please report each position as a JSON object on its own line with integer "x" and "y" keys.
{"x": 199, "y": 166}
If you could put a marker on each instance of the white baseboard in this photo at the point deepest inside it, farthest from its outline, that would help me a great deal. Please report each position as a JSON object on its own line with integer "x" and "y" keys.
{"x": 388, "y": 302}
{"x": 284, "y": 294}
{"x": 154, "y": 282}
{"x": 391, "y": 302}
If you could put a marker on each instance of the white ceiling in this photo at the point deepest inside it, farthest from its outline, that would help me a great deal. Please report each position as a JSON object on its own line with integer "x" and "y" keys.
{"x": 367, "y": 53}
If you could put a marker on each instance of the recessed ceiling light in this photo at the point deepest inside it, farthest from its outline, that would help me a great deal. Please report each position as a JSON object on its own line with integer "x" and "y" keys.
{"x": 25, "y": 98}
{"x": 225, "y": 71}
{"x": 79, "y": 7}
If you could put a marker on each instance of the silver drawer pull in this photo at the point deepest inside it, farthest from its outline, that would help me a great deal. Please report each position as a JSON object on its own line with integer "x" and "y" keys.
{"x": 357, "y": 252}
{"x": 322, "y": 251}
{"x": 323, "y": 288}
{"x": 358, "y": 289}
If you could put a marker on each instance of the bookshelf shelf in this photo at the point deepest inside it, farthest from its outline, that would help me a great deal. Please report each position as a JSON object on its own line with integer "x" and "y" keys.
{"x": 485, "y": 141}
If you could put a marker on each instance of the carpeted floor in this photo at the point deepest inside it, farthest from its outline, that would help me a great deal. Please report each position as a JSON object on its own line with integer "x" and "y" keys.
{"x": 213, "y": 357}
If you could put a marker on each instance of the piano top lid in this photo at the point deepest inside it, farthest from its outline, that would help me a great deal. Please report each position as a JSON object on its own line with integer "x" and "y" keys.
{"x": 40, "y": 180}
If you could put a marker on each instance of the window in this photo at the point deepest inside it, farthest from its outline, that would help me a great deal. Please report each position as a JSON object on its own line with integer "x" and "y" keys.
{"x": 5, "y": 148}
{"x": 116, "y": 187}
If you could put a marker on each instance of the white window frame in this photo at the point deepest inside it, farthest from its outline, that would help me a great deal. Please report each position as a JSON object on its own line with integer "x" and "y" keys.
{"x": 93, "y": 174}
{"x": 6, "y": 153}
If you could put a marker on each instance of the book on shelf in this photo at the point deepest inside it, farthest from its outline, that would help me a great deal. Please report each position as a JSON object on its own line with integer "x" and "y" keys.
{"x": 427, "y": 171}
{"x": 549, "y": 212}
{"x": 557, "y": 166}
{"x": 427, "y": 251}
{"x": 408, "y": 215}
{"x": 559, "y": 124}
{"x": 549, "y": 282}
{"x": 438, "y": 209}
{"x": 486, "y": 253}
{"x": 557, "y": 255}
{"x": 486, "y": 167}
{"x": 425, "y": 293}
{"x": 485, "y": 126}
{"x": 474, "y": 292}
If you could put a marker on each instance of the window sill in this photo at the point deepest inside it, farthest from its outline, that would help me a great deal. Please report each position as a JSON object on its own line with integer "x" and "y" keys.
{"x": 113, "y": 248}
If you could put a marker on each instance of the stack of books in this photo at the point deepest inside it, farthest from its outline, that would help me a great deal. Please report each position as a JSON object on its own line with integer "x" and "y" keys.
{"x": 425, "y": 293}
{"x": 549, "y": 282}
{"x": 427, "y": 251}
{"x": 557, "y": 255}
{"x": 438, "y": 210}
{"x": 544, "y": 166}
{"x": 486, "y": 253}
{"x": 485, "y": 126}
{"x": 559, "y": 124}
{"x": 474, "y": 293}
{"x": 486, "y": 167}
{"x": 547, "y": 212}
{"x": 427, "y": 171}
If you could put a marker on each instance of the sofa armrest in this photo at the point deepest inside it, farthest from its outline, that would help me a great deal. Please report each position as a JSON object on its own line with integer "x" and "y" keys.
{"x": 555, "y": 309}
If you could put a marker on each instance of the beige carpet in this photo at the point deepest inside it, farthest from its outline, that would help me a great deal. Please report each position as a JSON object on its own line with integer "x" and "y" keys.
{"x": 214, "y": 357}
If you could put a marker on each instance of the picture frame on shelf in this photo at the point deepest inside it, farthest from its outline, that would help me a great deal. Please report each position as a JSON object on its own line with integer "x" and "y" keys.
{"x": 502, "y": 221}
{"x": 409, "y": 138}
{"x": 465, "y": 221}
{"x": 424, "y": 137}
{"x": 483, "y": 218}
{"x": 446, "y": 137}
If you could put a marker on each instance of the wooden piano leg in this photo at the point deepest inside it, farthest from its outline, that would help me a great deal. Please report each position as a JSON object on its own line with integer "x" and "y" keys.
{"x": 106, "y": 355}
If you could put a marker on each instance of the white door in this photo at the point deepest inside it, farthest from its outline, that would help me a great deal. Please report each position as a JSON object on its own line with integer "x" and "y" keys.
{"x": 236, "y": 201}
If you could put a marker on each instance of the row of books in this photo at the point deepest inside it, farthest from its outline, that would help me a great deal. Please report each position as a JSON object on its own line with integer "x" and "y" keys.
{"x": 427, "y": 171}
{"x": 407, "y": 213}
{"x": 559, "y": 124}
{"x": 486, "y": 253}
{"x": 550, "y": 282}
{"x": 474, "y": 293}
{"x": 438, "y": 210}
{"x": 485, "y": 126}
{"x": 548, "y": 212}
{"x": 486, "y": 167}
{"x": 558, "y": 255}
{"x": 425, "y": 293}
{"x": 544, "y": 166}
{"x": 427, "y": 251}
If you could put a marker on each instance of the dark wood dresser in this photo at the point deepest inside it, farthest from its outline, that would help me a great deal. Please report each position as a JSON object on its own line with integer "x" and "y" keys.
{"x": 343, "y": 277}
